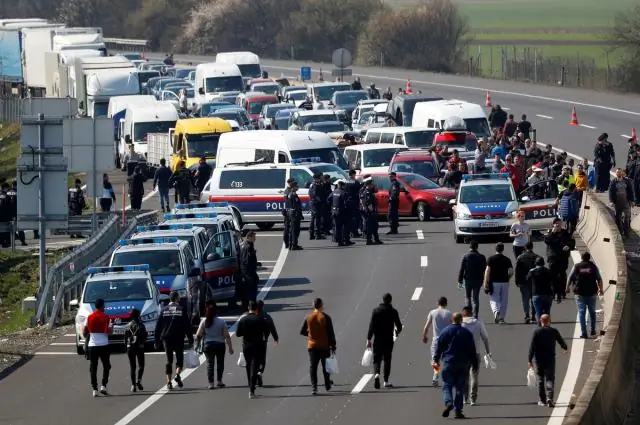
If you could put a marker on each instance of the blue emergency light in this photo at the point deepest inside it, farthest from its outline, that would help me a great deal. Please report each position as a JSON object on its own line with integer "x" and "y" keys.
{"x": 145, "y": 241}
{"x": 202, "y": 205}
{"x": 191, "y": 215}
{"x": 164, "y": 227}
{"x": 303, "y": 160}
{"x": 118, "y": 269}
{"x": 492, "y": 176}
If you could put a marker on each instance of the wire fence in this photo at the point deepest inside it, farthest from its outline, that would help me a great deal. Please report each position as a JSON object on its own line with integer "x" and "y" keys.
{"x": 10, "y": 109}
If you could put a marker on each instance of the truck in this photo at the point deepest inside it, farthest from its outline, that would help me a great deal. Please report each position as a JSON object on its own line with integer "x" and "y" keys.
{"x": 93, "y": 81}
{"x": 158, "y": 147}
{"x": 66, "y": 43}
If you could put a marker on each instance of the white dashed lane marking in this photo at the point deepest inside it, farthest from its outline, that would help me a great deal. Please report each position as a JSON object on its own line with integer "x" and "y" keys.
{"x": 362, "y": 383}
{"x": 588, "y": 126}
{"x": 424, "y": 261}
{"x": 546, "y": 117}
{"x": 416, "y": 294}
{"x": 420, "y": 234}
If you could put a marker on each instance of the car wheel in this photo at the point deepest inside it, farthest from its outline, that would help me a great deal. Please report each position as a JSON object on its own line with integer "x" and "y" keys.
{"x": 423, "y": 212}
{"x": 265, "y": 226}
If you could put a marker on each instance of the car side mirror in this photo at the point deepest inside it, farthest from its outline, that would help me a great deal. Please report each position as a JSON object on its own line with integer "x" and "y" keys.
{"x": 73, "y": 304}
{"x": 201, "y": 90}
{"x": 452, "y": 202}
{"x": 525, "y": 199}
{"x": 213, "y": 257}
{"x": 195, "y": 272}
{"x": 164, "y": 298}
{"x": 127, "y": 139}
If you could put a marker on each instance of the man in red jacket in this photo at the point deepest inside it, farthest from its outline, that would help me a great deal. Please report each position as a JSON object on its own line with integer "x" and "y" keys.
{"x": 513, "y": 172}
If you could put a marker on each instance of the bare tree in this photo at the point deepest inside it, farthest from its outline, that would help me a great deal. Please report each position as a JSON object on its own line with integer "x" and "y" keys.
{"x": 626, "y": 37}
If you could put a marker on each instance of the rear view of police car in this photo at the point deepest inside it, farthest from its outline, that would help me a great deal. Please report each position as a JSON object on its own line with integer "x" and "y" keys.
{"x": 123, "y": 289}
{"x": 220, "y": 208}
{"x": 196, "y": 236}
{"x": 484, "y": 205}
{"x": 211, "y": 222}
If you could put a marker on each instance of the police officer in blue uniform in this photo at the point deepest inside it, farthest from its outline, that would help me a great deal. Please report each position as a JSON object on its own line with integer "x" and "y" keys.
{"x": 353, "y": 200}
{"x": 287, "y": 206}
{"x": 318, "y": 200}
{"x": 327, "y": 216}
{"x": 339, "y": 211}
{"x": 370, "y": 212}
{"x": 394, "y": 204}
{"x": 294, "y": 215}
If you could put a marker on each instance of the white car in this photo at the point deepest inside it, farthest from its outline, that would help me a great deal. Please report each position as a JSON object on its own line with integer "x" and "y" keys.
{"x": 172, "y": 97}
{"x": 296, "y": 97}
{"x": 123, "y": 289}
{"x": 371, "y": 159}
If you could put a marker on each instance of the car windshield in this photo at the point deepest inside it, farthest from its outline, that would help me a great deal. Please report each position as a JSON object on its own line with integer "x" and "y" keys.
{"x": 306, "y": 119}
{"x": 250, "y": 70}
{"x": 210, "y": 228}
{"x": 133, "y": 56}
{"x": 272, "y": 110}
{"x": 419, "y": 139}
{"x": 297, "y": 95}
{"x": 365, "y": 117}
{"x": 423, "y": 168}
{"x": 226, "y": 115}
{"x": 418, "y": 182}
{"x": 145, "y": 76}
{"x": 350, "y": 98}
{"x": 328, "y": 155}
{"x": 486, "y": 193}
{"x": 200, "y": 145}
{"x": 161, "y": 261}
{"x": 377, "y": 157}
{"x": 209, "y": 108}
{"x": 325, "y": 92}
{"x": 330, "y": 127}
{"x": 183, "y": 72}
{"x": 117, "y": 290}
{"x": 166, "y": 82}
{"x": 141, "y": 129}
{"x": 176, "y": 90}
{"x": 282, "y": 123}
{"x": 256, "y": 106}
{"x": 222, "y": 84}
{"x": 478, "y": 126}
{"x": 266, "y": 88}
{"x": 332, "y": 171}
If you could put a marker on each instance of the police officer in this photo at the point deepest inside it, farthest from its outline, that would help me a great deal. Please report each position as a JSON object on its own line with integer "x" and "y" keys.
{"x": 5, "y": 216}
{"x": 394, "y": 204}
{"x": 318, "y": 199}
{"x": 286, "y": 222}
{"x": 203, "y": 174}
{"x": 604, "y": 158}
{"x": 249, "y": 269}
{"x": 559, "y": 245}
{"x": 76, "y": 202}
{"x": 339, "y": 212}
{"x": 370, "y": 212}
{"x": 12, "y": 196}
{"x": 327, "y": 221}
{"x": 352, "y": 188}
{"x": 294, "y": 215}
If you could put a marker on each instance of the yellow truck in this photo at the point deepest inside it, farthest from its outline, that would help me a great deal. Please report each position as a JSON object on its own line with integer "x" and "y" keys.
{"x": 194, "y": 138}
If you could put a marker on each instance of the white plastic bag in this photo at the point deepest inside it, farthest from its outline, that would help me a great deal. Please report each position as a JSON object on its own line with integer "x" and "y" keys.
{"x": 191, "y": 359}
{"x": 241, "y": 360}
{"x": 331, "y": 365}
{"x": 531, "y": 378}
{"x": 367, "y": 358}
{"x": 489, "y": 363}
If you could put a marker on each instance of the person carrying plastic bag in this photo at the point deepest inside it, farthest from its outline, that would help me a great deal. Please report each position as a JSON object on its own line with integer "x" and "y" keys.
{"x": 481, "y": 339}
{"x": 383, "y": 326}
{"x": 212, "y": 335}
{"x": 542, "y": 351}
{"x": 321, "y": 344}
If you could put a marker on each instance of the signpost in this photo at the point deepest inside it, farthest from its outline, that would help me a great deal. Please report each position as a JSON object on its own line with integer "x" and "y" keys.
{"x": 341, "y": 59}
{"x": 305, "y": 73}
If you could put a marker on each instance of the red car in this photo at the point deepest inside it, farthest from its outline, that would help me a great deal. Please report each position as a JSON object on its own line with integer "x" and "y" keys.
{"x": 420, "y": 196}
{"x": 253, "y": 103}
{"x": 461, "y": 140}
{"x": 418, "y": 161}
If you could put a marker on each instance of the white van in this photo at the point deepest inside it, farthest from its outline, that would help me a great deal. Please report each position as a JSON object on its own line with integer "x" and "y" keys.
{"x": 214, "y": 79}
{"x": 140, "y": 120}
{"x": 119, "y": 104}
{"x": 247, "y": 62}
{"x": 277, "y": 147}
{"x": 373, "y": 158}
{"x": 433, "y": 114}
{"x": 410, "y": 137}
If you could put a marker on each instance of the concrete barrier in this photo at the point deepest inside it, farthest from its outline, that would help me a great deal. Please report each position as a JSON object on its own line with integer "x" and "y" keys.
{"x": 608, "y": 395}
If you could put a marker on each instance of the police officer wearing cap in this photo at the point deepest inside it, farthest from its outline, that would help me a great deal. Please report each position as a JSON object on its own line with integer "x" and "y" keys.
{"x": 339, "y": 212}
{"x": 294, "y": 215}
{"x": 370, "y": 212}
{"x": 318, "y": 200}
{"x": 394, "y": 204}
{"x": 353, "y": 199}
{"x": 287, "y": 206}
{"x": 327, "y": 220}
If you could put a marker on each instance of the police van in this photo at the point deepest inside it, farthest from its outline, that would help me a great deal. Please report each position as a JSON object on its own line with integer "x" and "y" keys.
{"x": 485, "y": 205}
{"x": 122, "y": 289}
{"x": 220, "y": 208}
{"x": 256, "y": 190}
{"x": 172, "y": 265}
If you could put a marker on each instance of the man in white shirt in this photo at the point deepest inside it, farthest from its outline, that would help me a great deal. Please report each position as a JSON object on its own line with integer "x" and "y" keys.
{"x": 481, "y": 338}
{"x": 438, "y": 318}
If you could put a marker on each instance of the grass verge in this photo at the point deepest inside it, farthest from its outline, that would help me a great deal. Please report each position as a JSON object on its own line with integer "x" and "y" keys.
{"x": 9, "y": 149}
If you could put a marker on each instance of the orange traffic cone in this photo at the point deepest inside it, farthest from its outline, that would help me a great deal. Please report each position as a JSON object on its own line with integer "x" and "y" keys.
{"x": 634, "y": 137}
{"x": 574, "y": 117}
{"x": 487, "y": 101}
{"x": 407, "y": 87}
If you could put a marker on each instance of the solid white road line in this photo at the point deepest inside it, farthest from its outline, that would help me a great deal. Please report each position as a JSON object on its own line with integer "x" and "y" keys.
{"x": 69, "y": 334}
{"x": 270, "y": 235}
{"x": 416, "y": 294}
{"x": 626, "y": 136}
{"x": 362, "y": 383}
{"x": 424, "y": 261}
{"x": 142, "y": 407}
{"x": 54, "y": 353}
{"x": 63, "y": 343}
{"x": 546, "y": 117}
{"x": 420, "y": 234}
{"x": 588, "y": 126}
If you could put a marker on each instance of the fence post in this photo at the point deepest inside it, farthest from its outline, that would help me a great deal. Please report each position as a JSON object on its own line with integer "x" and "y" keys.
{"x": 535, "y": 65}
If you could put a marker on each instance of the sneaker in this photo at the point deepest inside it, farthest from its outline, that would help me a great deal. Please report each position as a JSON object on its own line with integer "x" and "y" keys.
{"x": 496, "y": 318}
{"x": 459, "y": 415}
{"x": 327, "y": 386}
{"x": 259, "y": 379}
{"x": 447, "y": 410}
{"x": 95, "y": 393}
{"x": 472, "y": 402}
{"x": 103, "y": 390}
{"x": 542, "y": 404}
{"x": 179, "y": 381}
{"x": 551, "y": 404}
{"x": 139, "y": 385}
{"x": 252, "y": 396}
{"x": 211, "y": 386}
{"x": 435, "y": 382}
{"x": 221, "y": 384}
{"x": 388, "y": 385}
{"x": 584, "y": 336}
{"x": 133, "y": 389}
{"x": 593, "y": 334}
{"x": 376, "y": 382}
{"x": 169, "y": 386}
{"x": 314, "y": 392}
{"x": 502, "y": 321}
{"x": 527, "y": 321}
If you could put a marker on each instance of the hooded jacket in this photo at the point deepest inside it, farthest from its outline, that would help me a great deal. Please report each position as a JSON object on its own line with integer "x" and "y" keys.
{"x": 479, "y": 332}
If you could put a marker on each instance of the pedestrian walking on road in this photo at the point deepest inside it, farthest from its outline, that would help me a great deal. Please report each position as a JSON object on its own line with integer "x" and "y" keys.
{"x": 524, "y": 263}
{"x": 161, "y": 182}
{"x": 97, "y": 329}
{"x": 321, "y": 343}
{"x": 135, "y": 338}
{"x": 496, "y": 283}
{"x": 182, "y": 182}
{"x": 172, "y": 327}
{"x": 521, "y": 234}
{"x": 394, "y": 204}
{"x": 457, "y": 350}
{"x": 108, "y": 198}
{"x": 586, "y": 282}
{"x": 212, "y": 335}
{"x": 472, "y": 269}
{"x": 254, "y": 330}
{"x": 273, "y": 332}
{"x": 136, "y": 188}
{"x": 622, "y": 198}
{"x": 438, "y": 319}
{"x": 384, "y": 324}
{"x": 481, "y": 339}
{"x": 541, "y": 281}
{"x": 542, "y": 351}
{"x": 559, "y": 245}
{"x": 249, "y": 269}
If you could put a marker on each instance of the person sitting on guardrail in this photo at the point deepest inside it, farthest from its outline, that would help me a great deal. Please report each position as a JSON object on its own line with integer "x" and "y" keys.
{"x": 622, "y": 199}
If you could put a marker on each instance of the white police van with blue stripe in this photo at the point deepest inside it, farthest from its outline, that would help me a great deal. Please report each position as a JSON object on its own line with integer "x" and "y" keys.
{"x": 123, "y": 288}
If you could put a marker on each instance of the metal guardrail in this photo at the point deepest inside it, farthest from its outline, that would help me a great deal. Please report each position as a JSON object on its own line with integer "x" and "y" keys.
{"x": 69, "y": 285}
{"x": 82, "y": 224}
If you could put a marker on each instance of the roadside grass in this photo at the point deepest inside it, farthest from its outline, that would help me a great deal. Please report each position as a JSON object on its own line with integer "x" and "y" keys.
{"x": 506, "y": 37}
{"x": 9, "y": 149}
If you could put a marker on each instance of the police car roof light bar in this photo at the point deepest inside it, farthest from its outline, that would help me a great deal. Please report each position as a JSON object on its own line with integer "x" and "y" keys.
{"x": 145, "y": 241}
{"x": 164, "y": 227}
{"x": 309, "y": 159}
{"x": 190, "y": 215}
{"x": 202, "y": 205}
{"x": 492, "y": 176}
{"x": 119, "y": 269}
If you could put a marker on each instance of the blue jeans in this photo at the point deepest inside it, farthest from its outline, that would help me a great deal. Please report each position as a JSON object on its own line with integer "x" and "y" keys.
{"x": 585, "y": 303}
{"x": 542, "y": 305}
{"x": 164, "y": 197}
{"x": 527, "y": 302}
{"x": 454, "y": 378}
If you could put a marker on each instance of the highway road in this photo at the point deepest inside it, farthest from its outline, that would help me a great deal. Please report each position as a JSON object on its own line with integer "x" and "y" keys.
{"x": 417, "y": 267}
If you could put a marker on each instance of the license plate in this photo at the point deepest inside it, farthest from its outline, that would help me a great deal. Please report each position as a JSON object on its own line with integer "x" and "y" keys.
{"x": 118, "y": 331}
{"x": 484, "y": 225}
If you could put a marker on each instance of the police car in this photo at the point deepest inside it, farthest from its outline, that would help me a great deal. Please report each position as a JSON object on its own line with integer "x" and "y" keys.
{"x": 123, "y": 289}
{"x": 220, "y": 208}
{"x": 257, "y": 189}
{"x": 485, "y": 205}
{"x": 172, "y": 265}
{"x": 212, "y": 222}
